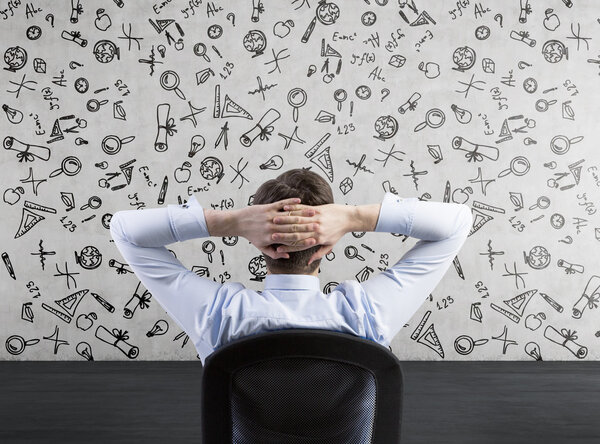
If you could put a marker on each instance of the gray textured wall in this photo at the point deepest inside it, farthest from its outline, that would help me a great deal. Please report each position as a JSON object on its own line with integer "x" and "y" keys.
{"x": 492, "y": 103}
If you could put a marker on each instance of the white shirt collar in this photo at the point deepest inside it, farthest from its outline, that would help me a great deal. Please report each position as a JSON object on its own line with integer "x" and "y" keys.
{"x": 292, "y": 281}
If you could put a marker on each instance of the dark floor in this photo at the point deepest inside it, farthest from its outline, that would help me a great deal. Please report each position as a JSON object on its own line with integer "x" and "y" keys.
{"x": 158, "y": 402}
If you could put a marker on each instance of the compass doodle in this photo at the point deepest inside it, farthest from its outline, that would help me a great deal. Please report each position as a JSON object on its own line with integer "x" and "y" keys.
{"x": 139, "y": 105}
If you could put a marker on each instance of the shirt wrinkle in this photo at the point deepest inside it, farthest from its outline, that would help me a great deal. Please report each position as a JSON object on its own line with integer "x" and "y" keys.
{"x": 213, "y": 314}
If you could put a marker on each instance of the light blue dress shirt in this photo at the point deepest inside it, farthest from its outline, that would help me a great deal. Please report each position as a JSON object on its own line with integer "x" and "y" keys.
{"x": 212, "y": 314}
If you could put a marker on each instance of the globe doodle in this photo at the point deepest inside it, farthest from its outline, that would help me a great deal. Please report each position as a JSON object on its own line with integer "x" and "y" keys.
{"x": 15, "y": 57}
{"x": 89, "y": 258}
{"x": 386, "y": 127}
{"x": 105, "y": 51}
{"x": 538, "y": 257}
{"x": 211, "y": 167}
{"x": 554, "y": 50}
{"x": 255, "y": 41}
{"x": 463, "y": 58}
{"x": 258, "y": 267}
{"x": 328, "y": 13}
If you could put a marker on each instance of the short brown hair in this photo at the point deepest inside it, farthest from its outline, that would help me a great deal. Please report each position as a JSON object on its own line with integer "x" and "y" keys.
{"x": 312, "y": 189}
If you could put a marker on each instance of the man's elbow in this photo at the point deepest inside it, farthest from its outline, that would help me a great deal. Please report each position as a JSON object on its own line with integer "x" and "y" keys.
{"x": 467, "y": 219}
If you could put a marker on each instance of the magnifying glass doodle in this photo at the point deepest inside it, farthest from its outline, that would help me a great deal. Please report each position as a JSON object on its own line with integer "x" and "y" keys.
{"x": 112, "y": 144}
{"x": 519, "y": 166}
{"x": 465, "y": 344}
{"x": 434, "y": 118}
{"x": 542, "y": 203}
{"x": 169, "y": 80}
{"x": 94, "y": 105}
{"x": 542, "y": 105}
{"x": 340, "y": 95}
{"x": 208, "y": 247}
{"x": 94, "y": 203}
{"x": 15, "y": 344}
{"x": 296, "y": 98}
{"x": 70, "y": 165}
{"x": 560, "y": 144}
{"x": 200, "y": 51}
{"x": 351, "y": 252}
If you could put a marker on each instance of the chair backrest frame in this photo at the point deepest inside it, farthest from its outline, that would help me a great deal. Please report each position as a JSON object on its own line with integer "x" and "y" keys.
{"x": 307, "y": 343}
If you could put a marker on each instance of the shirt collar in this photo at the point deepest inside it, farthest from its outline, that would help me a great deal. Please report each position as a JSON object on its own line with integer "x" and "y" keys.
{"x": 292, "y": 281}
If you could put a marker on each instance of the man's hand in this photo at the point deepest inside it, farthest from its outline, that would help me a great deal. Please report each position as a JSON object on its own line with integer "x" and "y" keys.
{"x": 255, "y": 223}
{"x": 333, "y": 221}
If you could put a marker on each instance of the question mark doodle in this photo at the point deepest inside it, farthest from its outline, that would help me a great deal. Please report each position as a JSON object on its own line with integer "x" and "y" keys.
{"x": 498, "y": 18}
{"x": 522, "y": 64}
{"x": 386, "y": 92}
{"x": 232, "y": 15}
{"x": 51, "y": 17}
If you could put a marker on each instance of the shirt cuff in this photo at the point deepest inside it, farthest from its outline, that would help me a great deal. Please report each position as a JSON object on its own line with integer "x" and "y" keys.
{"x": 187, "y": 220}
{"x": 396, "y": 214}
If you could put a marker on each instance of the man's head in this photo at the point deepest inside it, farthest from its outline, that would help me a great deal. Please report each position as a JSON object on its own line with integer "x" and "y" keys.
{"x": 312, "y": 189}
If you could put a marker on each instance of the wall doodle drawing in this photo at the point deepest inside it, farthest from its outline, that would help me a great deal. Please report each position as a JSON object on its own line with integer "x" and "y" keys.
{"x": 125, "y": 104}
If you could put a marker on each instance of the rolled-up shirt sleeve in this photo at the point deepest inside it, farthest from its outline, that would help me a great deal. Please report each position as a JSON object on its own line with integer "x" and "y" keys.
{"x": 397, "y": 293}
{"x": 141, "y": 236}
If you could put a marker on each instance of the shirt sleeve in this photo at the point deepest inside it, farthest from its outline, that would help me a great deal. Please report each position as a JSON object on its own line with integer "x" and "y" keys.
{"x": 397, "y": 293}
{"x": 141, "y": 236}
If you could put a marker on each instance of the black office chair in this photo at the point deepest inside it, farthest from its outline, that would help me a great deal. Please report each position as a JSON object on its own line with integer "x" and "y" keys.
{"x": 301, "y": 386}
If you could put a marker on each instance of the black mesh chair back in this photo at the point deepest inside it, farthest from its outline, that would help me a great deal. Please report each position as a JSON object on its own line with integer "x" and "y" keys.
{"x": 301, "y": 386}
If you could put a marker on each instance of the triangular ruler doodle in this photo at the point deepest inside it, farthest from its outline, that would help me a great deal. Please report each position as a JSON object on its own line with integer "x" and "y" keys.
{"x": 323, "y": 161}
{"x": 520, "y": 301}
{"x": 126, "y": 169}
{"x": 56, "y": 134}
{"x": 423, "y": 19}
{"x": 232, "y": 109}
{"x": 479, "y": 220}
{"x": 28, "y": 220}
{"x": 59, "y": 314}
{"x": 127, "y": 173}
{"x": 56, "y": 131}
{"x": 576, "y": 171}
{"x": 510, "y": 315}
{"x": 160, "y": 24}
{"x": 431, "y": 340}
{"x": 70, "y": 302}
{"x": 430, "y": 337}
{"x": 505, "y": 132}
{"x": 330, "y": 52}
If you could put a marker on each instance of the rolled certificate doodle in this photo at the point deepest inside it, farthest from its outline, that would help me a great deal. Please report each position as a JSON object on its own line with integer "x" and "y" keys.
{"x": 25, "y": 151}
{"x": 166, "y": 127}
{"x": 136, "y": 301}
{"x": 566, "y": 338}
{"x": 263, "y": 128}
{"x": 590, "y": 297}
{"x": 475, "y": 151}
{"x": 74, "y": 36}
{"x": 118, "y": 339}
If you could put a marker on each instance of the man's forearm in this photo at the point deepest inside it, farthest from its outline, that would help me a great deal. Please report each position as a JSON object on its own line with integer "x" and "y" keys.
{"x": 364, "y": 217}
{"x": 222, "y": 222}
